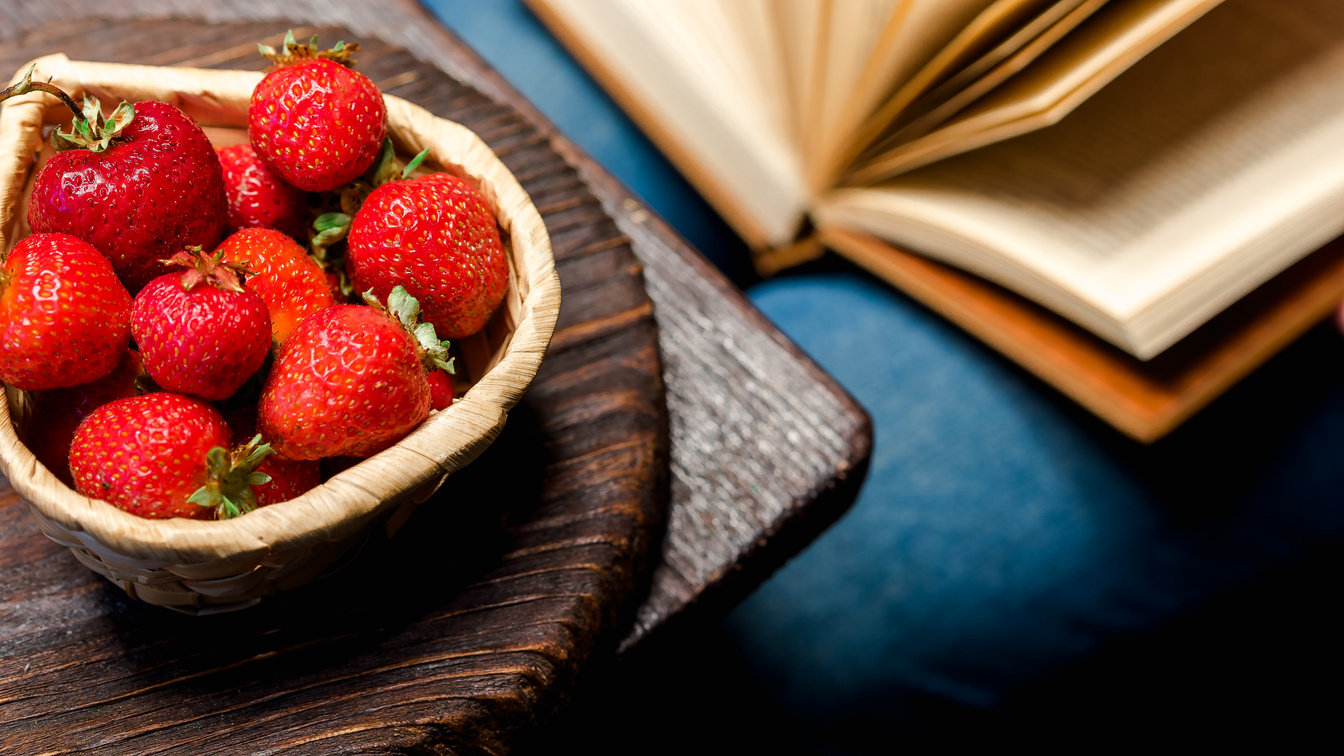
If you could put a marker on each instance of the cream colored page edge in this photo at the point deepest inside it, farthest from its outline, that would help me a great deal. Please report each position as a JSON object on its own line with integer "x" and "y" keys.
{"x": 1048, "y": 90}
{"x": 762, "y": 176}
{"x": 972, "y": 88}
{"x": 850, "y": 33}
{"x": 916, "y": 32}
{"x": 994, "y": 22}
{"x": 752, "y": 22}
{"x": 797, "y": 22}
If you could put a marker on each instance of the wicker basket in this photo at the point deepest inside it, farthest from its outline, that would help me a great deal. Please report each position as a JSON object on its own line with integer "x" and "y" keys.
{"x": 205, "y": 567}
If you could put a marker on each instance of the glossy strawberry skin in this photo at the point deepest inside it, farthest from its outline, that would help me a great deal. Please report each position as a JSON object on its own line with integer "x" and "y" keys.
{"x": 156, "y": 190}
{"x": 440, "y": 389}
{"x": 64, "y": 316}
{"x": 59, "y": 412}
{"x": 258, "y": 198}
{"x": 147, "y": 454}
{"x": 348, "y": 382}
{"x": 205, "y": 342}
{"x": 290, "y": 478}
{"x": 437, "y": 236}
{"x": 317, "y": 124}
{"x": 288, "y": 280}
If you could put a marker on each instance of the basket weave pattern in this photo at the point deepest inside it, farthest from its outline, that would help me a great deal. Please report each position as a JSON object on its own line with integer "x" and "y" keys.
{"x": 200, "y": 566}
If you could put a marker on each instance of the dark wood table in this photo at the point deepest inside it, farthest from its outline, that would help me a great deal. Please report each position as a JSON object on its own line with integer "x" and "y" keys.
{"x": 744, "y": 449}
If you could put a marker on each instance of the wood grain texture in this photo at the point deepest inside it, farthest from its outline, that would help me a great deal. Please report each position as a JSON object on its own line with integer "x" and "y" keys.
{"x": 465, "y": 629}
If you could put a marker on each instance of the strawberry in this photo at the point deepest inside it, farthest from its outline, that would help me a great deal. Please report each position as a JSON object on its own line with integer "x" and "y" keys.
{"x": 138, "y": 186}
{"x": 350, "y": 381}
{"x": 289, "y": 478}
{"x": 314, "y": 121}
{"x": 440, "y": 390}
{"x": 437, "y": 236}
{"x": 149, "y": 454}
{"x": 58, "y": 413}
{"x": 201, "y": 332}
{"x": 288, "y": 280}
{"x": 258, "y": 198}
{"x": 64, "y": 316}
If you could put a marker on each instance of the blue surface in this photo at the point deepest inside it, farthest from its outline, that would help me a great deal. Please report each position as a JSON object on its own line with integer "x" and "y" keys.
{"x": 1003, "y": 535}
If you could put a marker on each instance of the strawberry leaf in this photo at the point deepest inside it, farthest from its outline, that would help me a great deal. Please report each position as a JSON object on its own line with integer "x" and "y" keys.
{"x": 231, "y": 475}
{"x": 404, "y": 307}
{"x": 203, "y": 496}
{"x": 93, "y": 110}
{"x": 384, "y": 167}
{"x": 121, "y": 118}
{"x": 294, "y": 52}
{"x": 415, "y": 163}
{"x": 229, "y": 509}
{"x": 328, "y": 221}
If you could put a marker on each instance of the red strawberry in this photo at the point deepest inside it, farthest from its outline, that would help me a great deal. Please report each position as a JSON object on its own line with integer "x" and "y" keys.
{"x": 148, "y": 454}
{"x": 350, "y": 381}
{"x": 315, "y": 122}
{"x": 258, "y": 198}
{"x": 289, "y": 479}
{"x": 58, "y": 413}
{"x": 291, "y": 283}
{"x": 437, "y": 236}
{"x": 138, "y": 187}
{"x": 64, "y": 316}
{"x": 440, "y": 389}
{"x": 201, "y": 332}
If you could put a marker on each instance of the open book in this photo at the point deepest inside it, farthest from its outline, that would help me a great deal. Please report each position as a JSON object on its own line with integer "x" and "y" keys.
{"x": 1133, "y": 166}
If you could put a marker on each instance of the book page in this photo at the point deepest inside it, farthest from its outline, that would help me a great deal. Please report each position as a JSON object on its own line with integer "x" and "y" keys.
{"x": 684, "y": 76}
{"x": 1004, "y": 18}
{"x": 987, "y": 73}
{"x": 1201, "y": 172}
{"x": 798, "y": 23}
{"x": 1065, "y": 75}
{"x": 755, "y": 34}
{"x": 847, "y": 34}
{"x": 872, "y": 47}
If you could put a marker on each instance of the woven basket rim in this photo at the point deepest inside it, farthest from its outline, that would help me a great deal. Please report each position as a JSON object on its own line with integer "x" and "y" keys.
{"x": 410, "y": 469}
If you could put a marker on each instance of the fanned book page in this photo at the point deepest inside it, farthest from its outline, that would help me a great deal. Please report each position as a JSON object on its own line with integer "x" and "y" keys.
{"x": 1136, "y": 166}
{"x": 1195, "y": 176}
{"x": 683, "y": 72}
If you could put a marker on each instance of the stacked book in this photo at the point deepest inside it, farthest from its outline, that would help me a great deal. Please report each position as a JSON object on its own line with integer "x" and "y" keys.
{"x": 1135, "y": 199}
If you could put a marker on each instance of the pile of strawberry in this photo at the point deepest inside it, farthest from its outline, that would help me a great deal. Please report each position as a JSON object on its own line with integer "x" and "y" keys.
{"x": 190, "y": 357}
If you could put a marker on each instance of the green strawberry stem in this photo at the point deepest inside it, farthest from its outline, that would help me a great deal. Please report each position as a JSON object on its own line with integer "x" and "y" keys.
{"x": 90, "y": 130}
{"x": 231, "y": 475}
{"x": 292, "y": 52}
{"x": 405, "y": 309}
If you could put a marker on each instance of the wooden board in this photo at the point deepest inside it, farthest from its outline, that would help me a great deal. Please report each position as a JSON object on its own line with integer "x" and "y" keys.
{"x": 470, "y": 625}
